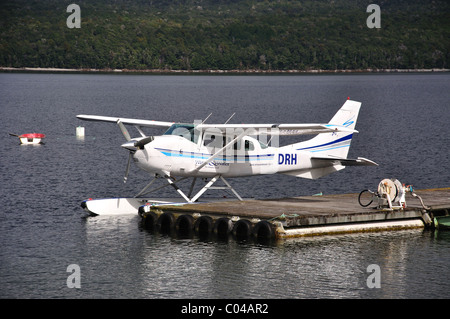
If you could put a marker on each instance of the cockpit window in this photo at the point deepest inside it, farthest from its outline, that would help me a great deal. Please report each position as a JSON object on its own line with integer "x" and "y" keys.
{"x": 184, "y": 130}
{"x": 249, "y": 146}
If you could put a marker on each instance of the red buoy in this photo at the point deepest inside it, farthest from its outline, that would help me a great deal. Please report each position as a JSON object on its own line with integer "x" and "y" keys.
{"x": 32, "y": 135}
{"x": 31, "y": 138}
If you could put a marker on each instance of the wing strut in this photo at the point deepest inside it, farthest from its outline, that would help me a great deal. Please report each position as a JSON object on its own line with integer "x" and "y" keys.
{"x": 240, "y": 136}
{"x": 209, "y": 185}
{"x": 187, "y": 198}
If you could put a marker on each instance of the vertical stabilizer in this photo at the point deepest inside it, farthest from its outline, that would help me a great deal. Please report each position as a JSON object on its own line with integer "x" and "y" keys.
{"x": 334, "y": 144}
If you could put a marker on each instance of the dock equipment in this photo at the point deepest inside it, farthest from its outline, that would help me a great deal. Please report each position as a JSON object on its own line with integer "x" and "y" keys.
{"x": 299, "y": 216}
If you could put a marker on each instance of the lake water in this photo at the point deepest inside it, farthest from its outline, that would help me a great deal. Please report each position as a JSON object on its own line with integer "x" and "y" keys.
{"x": 403, "y": 126}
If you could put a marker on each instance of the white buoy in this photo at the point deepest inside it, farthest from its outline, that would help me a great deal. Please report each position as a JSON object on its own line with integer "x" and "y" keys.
{"x": 80, "y": 132}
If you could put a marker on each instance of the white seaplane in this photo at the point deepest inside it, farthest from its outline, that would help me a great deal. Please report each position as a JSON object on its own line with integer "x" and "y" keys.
{"x": 218, "y": 151}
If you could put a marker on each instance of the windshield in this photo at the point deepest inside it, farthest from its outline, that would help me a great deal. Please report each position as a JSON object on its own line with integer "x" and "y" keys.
{"x": 184, "y": 130}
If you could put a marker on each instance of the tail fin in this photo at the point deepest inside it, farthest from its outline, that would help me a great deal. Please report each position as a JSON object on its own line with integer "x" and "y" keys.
{"x": 334, "y": 144}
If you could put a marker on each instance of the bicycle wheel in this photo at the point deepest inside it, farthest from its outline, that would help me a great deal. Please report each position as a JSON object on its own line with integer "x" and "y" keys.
{"x": 365, "y": 198}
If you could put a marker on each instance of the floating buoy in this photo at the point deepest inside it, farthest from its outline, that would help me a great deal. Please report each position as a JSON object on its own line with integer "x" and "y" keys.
{"x": 149, "y": 219}
{"x": 223, "y": 226}
{"x": 165, "y": 223}
{"x": 184, "y": 225}
{"x": 264, "y": 230}
{"x": 204, "y": 225}
{"x": 242, "y": 229}
{"x": 80, "y": 132}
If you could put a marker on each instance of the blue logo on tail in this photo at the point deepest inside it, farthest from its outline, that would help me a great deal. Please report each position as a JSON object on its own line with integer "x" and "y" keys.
{"x": 348, "y": 122}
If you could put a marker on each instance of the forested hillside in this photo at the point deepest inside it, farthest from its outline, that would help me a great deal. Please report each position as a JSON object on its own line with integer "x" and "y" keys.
{"x": 225, "y": 34}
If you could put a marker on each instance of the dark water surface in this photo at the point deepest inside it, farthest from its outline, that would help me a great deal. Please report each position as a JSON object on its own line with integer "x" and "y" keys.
{"x": 403, "y": 126}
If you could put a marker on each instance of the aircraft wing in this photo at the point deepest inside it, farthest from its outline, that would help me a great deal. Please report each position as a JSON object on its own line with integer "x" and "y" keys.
{"x": 279, "y": 129}
{"x": 144, "y": 123}
{"x": 360, "y": 161}
{"x": 252, "y": 129}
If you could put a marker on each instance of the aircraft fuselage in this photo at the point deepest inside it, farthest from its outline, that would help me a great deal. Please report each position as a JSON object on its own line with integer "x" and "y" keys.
{"x": 177, "y": 156}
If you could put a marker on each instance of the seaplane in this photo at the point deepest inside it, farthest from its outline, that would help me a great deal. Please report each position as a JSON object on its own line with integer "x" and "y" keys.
{"x": 217, "y": 152}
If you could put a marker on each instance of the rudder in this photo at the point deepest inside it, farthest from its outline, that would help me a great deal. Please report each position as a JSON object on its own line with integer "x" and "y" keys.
{"x": 335, "y": 144}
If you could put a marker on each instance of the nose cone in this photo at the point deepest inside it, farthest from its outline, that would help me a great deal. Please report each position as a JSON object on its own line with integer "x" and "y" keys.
{"x": 129, "y": 146}
{"x": 139, "y": 143}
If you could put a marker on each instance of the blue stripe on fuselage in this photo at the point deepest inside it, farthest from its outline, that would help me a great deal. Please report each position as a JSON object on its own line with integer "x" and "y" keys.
{"x": 342, "y": 139}
{"x": 195, "y": 155}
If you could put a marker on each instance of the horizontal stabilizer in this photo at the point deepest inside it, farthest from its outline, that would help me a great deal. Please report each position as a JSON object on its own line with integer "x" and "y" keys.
{"x": 314, "y": 173}
{"x": 323, "y": 166}
{"x": 326, "y": 161}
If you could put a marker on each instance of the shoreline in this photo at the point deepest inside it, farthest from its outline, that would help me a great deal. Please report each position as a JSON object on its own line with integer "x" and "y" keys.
{"x": 189, "y": 72}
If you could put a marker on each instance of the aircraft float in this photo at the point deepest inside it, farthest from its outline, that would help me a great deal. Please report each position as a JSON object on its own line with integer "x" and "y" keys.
{"x": 216, "y": 152}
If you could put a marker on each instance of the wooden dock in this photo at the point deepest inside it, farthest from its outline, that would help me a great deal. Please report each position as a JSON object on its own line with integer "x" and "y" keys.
{"x": 297, "y": 216}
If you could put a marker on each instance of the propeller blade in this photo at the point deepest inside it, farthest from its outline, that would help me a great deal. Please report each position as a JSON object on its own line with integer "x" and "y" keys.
{"x": 125, "y": 178}
{"x": 124, "y": 130}
{"x": 141, "y": 143}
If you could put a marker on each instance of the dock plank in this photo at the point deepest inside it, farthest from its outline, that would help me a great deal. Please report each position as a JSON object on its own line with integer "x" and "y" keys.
{"x": 321, "y": 211}
{"x": 327, "y": 205}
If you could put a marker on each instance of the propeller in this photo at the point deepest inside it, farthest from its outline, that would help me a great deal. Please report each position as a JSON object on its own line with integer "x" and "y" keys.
{"x": 124, "y": 130}
{"x": 129, "y": 145}
{"x": 125, "y": 178}
{"x": 132, "y": 146}
{"x": 141, "y": 143}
